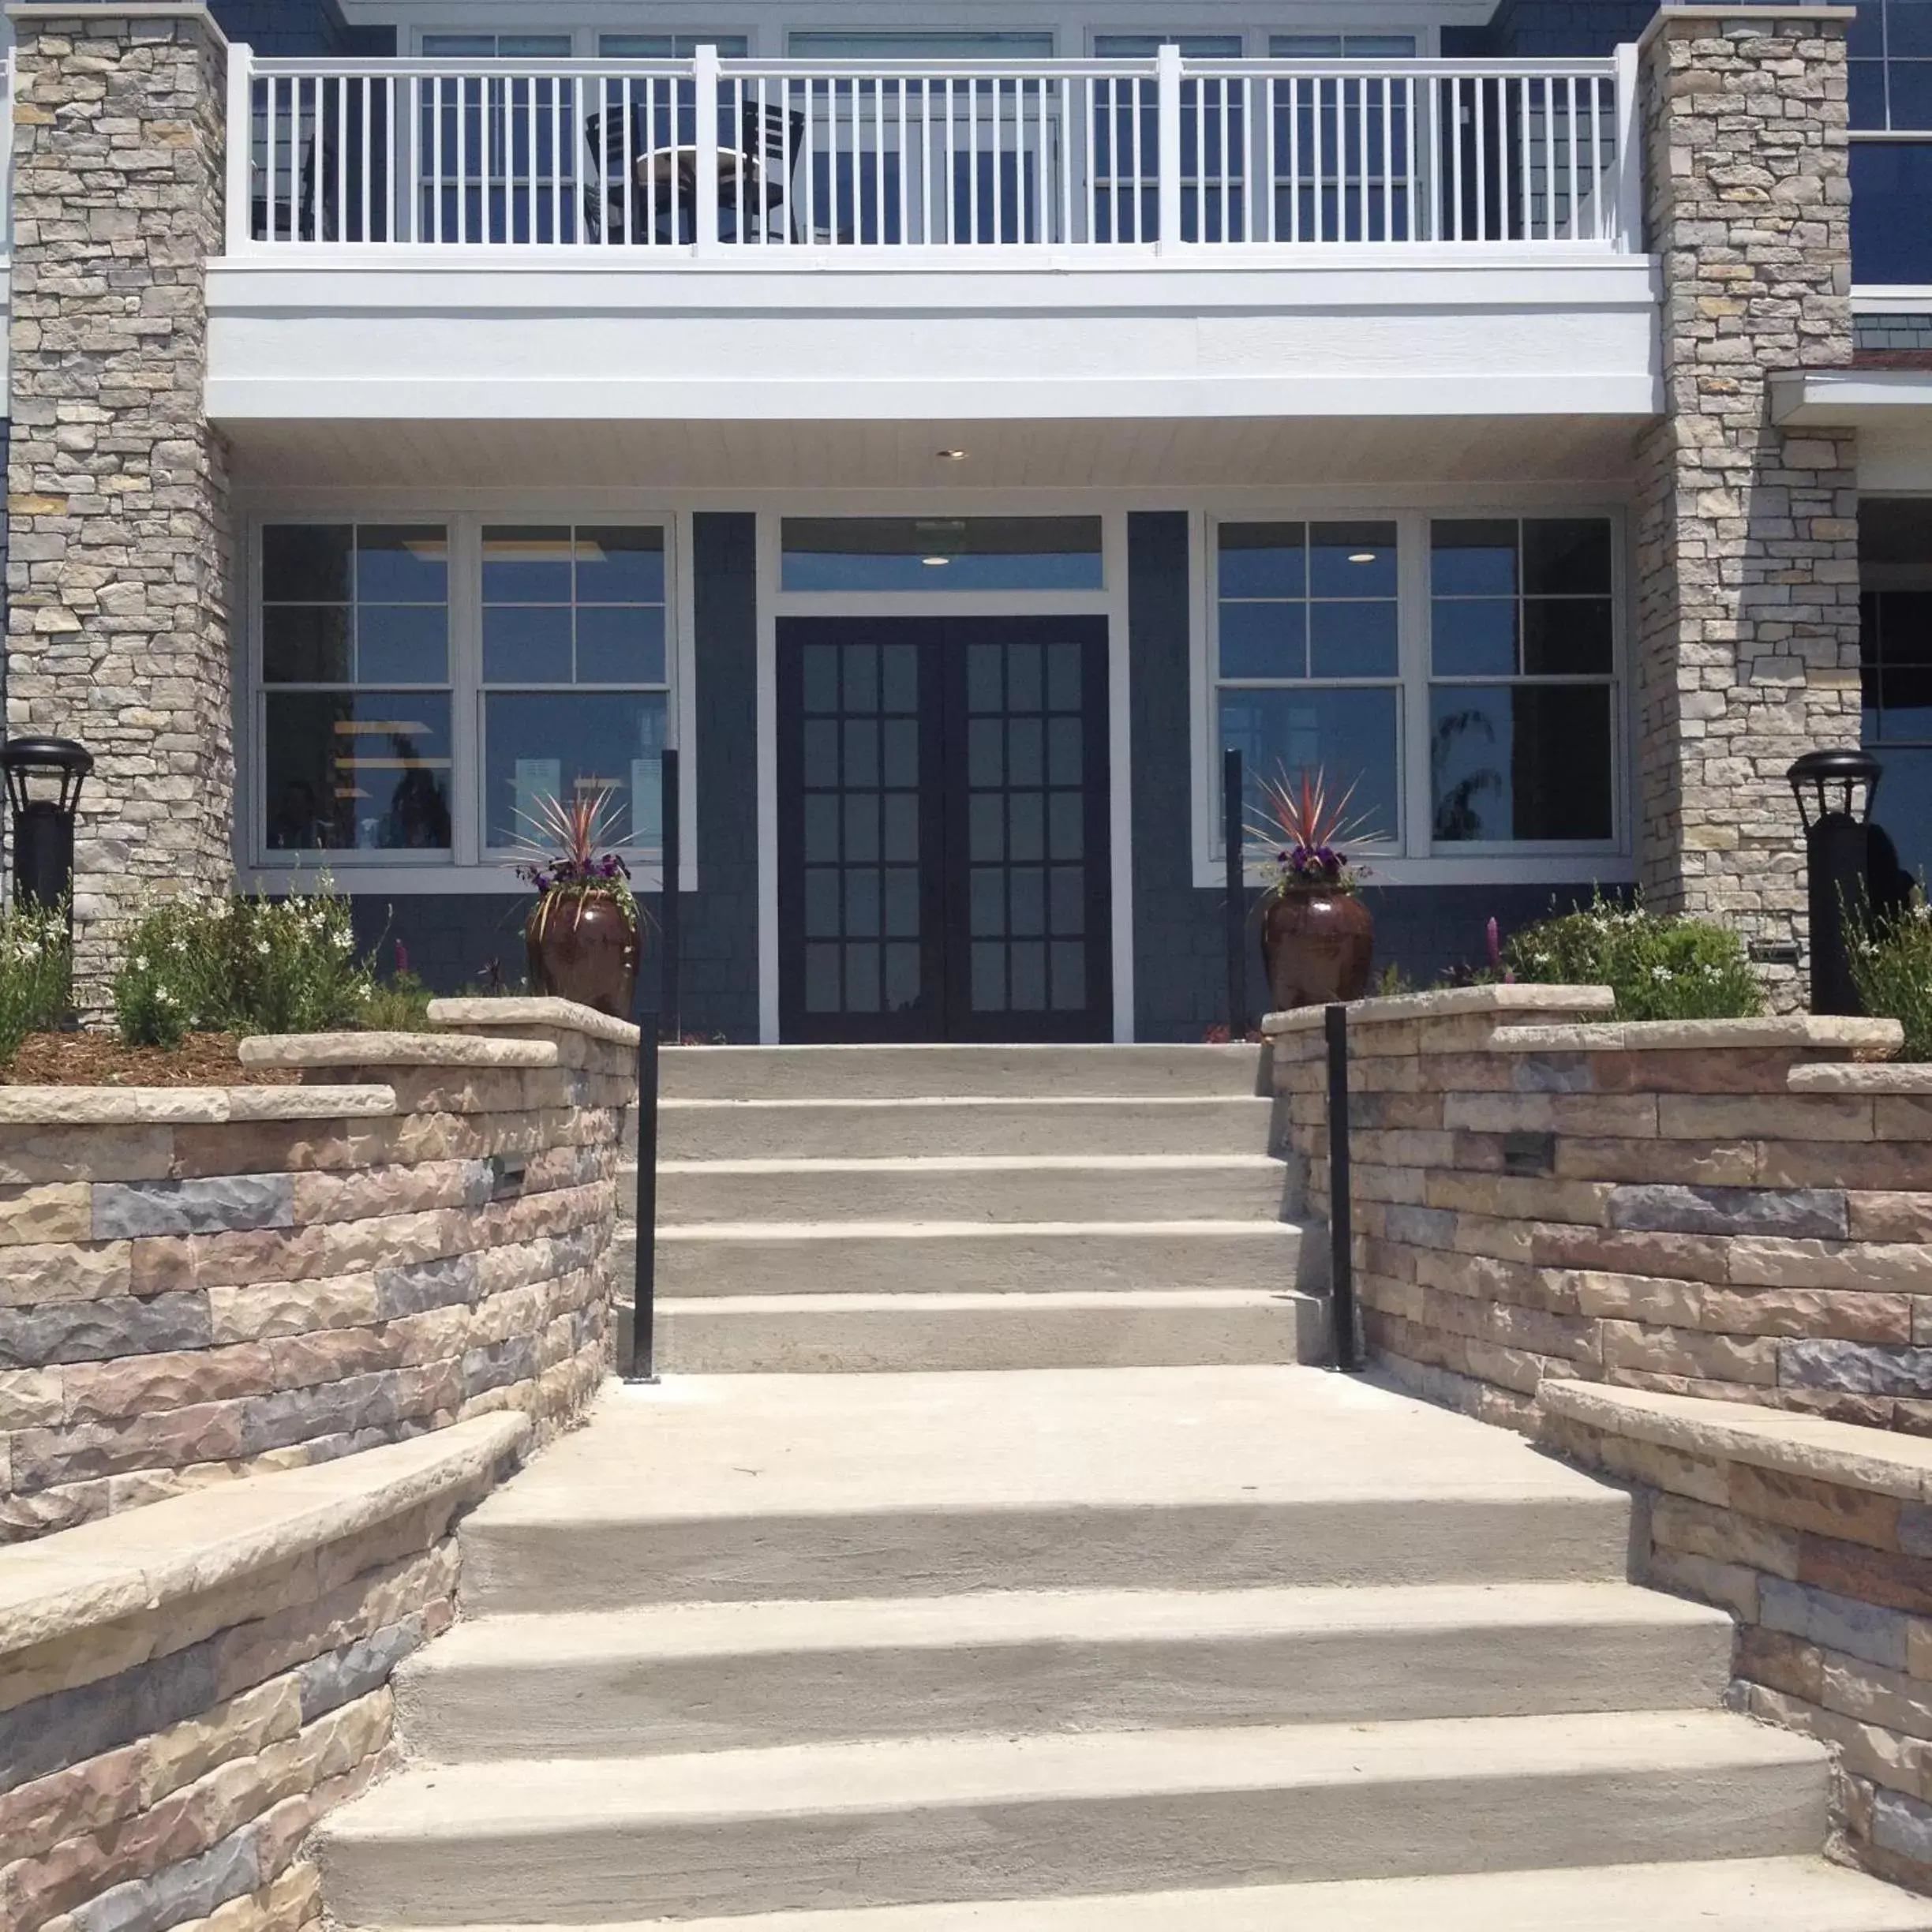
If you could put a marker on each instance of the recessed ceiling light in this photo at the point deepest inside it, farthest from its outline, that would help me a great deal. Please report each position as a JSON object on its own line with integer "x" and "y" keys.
{"x": 951, "y": 455}
{"x": 935, "y": 562}
{"x": 1363, "y": 556}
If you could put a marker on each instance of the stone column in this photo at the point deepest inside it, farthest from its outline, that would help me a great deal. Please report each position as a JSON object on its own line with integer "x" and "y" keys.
{"x": 1747, "y": 535}
{"x": 117, "y": 486}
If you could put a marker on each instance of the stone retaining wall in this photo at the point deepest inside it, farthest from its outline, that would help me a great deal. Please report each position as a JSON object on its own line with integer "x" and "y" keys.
{"x": 196, "y": 1284}
{"x": 185, "y": 1690}
{"x": 1736, "y": 1209}
{"x": 1817, "y": 1538}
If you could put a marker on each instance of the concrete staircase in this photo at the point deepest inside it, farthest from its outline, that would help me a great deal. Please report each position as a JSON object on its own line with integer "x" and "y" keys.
{"x": 1106, "y": 1650}
{"x": 922, "y": 1208}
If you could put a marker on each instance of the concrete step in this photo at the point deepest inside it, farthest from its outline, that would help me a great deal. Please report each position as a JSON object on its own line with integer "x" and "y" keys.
{"x": 930, "y": 1072}
{"x": 754, "y": 1486}
{"x": 1729, "y": 1895}
{"x": 1220, "y": 1187}
{"x": 881, "y": 1129}
{"x": 900, "y": 1334}
{"x": 703, "y": 1677}
{"x": 905, "y": 1822}
{"x": 924, "y": 1256}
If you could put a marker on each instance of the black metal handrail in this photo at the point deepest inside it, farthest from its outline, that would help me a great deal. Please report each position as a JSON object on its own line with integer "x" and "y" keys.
{"x": 1233, "y": 841}
{"x": 653, "y": 1027}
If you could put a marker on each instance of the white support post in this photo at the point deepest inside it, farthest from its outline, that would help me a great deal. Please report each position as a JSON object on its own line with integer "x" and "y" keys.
{"x": 704, "y": 68}
{"x": 1630, "y": 161}
{"x": 238, "y": 184}
{"x": 1167, "y": 121}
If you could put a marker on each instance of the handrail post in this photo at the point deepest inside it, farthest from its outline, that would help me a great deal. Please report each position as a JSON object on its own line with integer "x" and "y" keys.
{"x": 1630, "y": 160}
{"x": 670, "y": 989}
{"x": 1341, "y": 1189}
{"x": 1234, "y": 851}
{"x": 643, "y": 1365}
{"x": 705, "y": 135}
{"x": 1167, "y": 125}
{"x": 237, "y": 190}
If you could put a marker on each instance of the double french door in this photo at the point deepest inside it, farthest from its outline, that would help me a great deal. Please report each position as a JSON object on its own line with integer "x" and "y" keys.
{"x": 943, "y": 830}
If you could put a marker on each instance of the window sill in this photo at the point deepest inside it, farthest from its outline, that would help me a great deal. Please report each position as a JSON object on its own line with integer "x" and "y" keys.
{"x": 363, "y": 880}
{"x": 1491, "y": 868}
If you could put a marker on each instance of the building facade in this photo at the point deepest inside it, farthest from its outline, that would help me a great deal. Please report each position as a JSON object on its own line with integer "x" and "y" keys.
{"x": 953, "y": 439}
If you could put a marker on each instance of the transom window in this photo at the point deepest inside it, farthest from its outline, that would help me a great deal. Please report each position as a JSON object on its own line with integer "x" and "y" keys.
{"x": 669, "y": 45}
{"x": 941, "y": 553}
{"x": 496, "y": 46}
{"x": 1341, "y": 46}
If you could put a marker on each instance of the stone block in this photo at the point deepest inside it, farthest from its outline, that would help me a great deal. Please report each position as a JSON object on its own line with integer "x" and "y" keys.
{"x": 1784, "y": 1663}
{"x": 1730, "y": 1586}
{"x": 1905, "y": 1268}
{"x": 341, "y": 1676}
{"x": 59, "y": 1211}
{"x": 1791, "y": 1212}
{"x": 1855, "y": 1367}
{"x": 279, "y": 1309}
{"x": 1721, "y": 1164}
{"x": 1725, "y": 1536}
{"x": 1902, "y": 1823}
{"x": 145, "y": 1384}
{"x": 1874, "y": 1575}
{"x": 76, "y": 1331}
{"x": 1688, "y": 1352}
{"x": 1690, "y": 1257}
{"x": 1890, "y": 1217}
{"x": 1859, "y": 1630}
{"x": 192, "y": 1889}
{"x": 230, "y": 1203}
{"x": 1773, "y": 1116}
{"x": 64, "y": 1271}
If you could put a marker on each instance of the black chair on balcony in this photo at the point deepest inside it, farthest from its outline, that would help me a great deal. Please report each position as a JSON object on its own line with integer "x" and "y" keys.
{"x": 644, "y": 188}
{"x": 319, "y": 211}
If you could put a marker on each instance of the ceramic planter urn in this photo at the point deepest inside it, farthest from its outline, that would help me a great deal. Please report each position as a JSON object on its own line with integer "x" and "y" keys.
{"x": 586, "y": 951}
{"x": 1318, "y": 947}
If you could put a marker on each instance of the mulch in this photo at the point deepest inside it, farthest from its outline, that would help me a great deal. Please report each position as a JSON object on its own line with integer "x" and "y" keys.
{"x": 100, "y": 1060}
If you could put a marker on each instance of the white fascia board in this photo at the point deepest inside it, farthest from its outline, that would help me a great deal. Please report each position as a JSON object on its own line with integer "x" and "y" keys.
{"x": 1845, "y": 398}
{"x": 1365, "y": 336}
{"x": 1886, "y": 299}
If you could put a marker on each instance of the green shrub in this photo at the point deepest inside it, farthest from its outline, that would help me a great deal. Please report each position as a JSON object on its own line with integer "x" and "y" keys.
{"x": 238, "y": 965}
{"x": 36, "y": 967}
{"x": 1892, "y": 968}
{"x": 397, "y": 1005}
{"x": 1659, "y": 966}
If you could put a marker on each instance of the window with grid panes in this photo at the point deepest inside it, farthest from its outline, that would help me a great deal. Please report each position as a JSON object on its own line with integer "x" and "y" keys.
{"x": 1522, "y": 694}
{"x": 354, "y": 689}
{"x": 576, "y": 689}
{"x": 1307, "y": 659}
{"x": 1890, "y": 67}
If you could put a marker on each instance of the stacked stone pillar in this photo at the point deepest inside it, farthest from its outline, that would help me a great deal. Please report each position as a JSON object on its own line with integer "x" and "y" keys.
{"x": 1747, "y": 535}
{"x": 117, "y": 487}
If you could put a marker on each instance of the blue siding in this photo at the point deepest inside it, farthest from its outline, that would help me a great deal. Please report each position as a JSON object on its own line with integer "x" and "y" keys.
{"x": 1555, "y": 29}
{"x": 294, "y": 29}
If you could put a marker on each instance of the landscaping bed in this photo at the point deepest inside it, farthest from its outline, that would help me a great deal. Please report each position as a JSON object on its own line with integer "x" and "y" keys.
{"x": 101, "y": 1060}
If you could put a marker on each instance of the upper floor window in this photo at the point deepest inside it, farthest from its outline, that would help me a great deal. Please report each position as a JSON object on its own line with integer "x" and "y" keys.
{"x": 1890, "y": 49}
{"x": 1144, "y": 46}
{"x": 669, "y": 45}
{"x": 1341, "y": 46}
{"x": 496, "y": 46}
{"x": 943, "y": 44}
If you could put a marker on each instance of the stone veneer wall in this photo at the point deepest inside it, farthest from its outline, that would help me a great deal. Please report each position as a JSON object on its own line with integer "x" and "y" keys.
{"x": 198, "y": 1284}
{"x": 185, "y": 1689}
{"x": 1815, "y": 1535}
{"x": 117, "y": 486}
{"x": 1747, "y": 535}
{"x": 1726, "y": 1208}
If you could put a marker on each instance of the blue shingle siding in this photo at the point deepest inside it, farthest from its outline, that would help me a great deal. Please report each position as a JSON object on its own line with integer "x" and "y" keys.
{"x": 296, "y": 28}
{"x": 1557, "y": 29}
{"x": 1892, "y": 331}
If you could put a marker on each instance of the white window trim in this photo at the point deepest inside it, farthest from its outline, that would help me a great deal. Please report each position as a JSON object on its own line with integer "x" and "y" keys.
{"x": 469, "y": 869}
{"x": 1417, "y": 863}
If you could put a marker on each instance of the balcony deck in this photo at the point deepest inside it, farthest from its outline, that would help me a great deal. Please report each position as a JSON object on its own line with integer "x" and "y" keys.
{"x": 757, "y": 241}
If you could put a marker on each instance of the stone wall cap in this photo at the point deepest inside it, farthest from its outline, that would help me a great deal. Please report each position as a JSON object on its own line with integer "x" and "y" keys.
{"x": 1675, "y": 11}
{"x": 1774, "y": 1439}
{"x": 1870, "y": 1039}
{"x": 91, "y": 12}
{"x": 1861, "y": 1077}
{"x": 187, "y": 1106}
{"x": 1448, "y": 1003}
{"x": 141, "y": 1560}
{"x": 369, "y": 1050}
{"x": 566, "y": 1015}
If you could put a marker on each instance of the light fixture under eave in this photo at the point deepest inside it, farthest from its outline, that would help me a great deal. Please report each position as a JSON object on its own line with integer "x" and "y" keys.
{"x": 951, "y": 455}
{"x": 1363, "y": 556}
{"x": 935, "y": 562}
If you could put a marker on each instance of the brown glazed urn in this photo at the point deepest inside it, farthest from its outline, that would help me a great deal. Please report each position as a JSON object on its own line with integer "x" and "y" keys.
{"x": 586, "y": 951}
{"x": 1318, "y": 945}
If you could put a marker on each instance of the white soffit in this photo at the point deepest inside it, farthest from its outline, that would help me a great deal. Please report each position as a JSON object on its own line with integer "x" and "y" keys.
{"x": 1048, "y": 454}
{"x": 1890, "y": 399}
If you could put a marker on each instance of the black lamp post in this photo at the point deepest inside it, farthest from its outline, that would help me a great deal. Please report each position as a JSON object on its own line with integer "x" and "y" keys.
{"x": 44, "y": 781}
{"x": 1834, "y": 790}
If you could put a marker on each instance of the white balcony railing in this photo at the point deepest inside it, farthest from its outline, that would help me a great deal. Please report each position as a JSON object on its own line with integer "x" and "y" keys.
{"x": 704, "y": 157}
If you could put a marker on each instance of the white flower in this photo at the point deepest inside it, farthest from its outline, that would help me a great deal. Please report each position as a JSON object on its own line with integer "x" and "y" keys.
{"x": 1542, "y": 959}
{"x": 1662, "y": 975}
{"x": 263, "y": 947}
{"x": 140, "y": 962}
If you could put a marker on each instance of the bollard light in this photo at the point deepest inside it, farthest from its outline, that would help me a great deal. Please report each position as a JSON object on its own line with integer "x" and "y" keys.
{"x": 1834, "y": 790}
{"x": 43, "y": 780}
